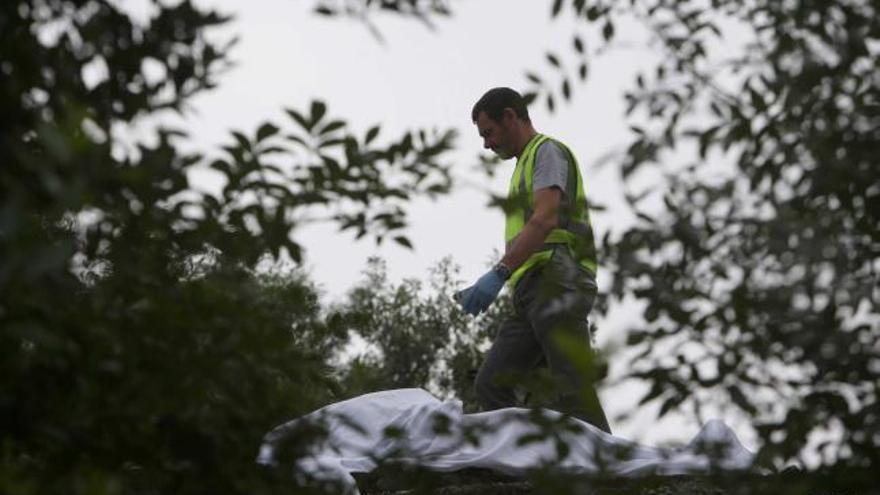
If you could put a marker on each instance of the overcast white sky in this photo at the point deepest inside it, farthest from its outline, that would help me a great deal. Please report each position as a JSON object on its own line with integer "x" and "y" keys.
{"x": 421, "y": 78}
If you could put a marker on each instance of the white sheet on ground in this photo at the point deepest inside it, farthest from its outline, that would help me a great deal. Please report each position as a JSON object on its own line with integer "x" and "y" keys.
{"x": 357, "y": 441}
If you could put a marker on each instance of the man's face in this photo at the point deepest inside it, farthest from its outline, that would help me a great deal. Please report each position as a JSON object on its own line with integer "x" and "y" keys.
{"x": 497, "y": 136}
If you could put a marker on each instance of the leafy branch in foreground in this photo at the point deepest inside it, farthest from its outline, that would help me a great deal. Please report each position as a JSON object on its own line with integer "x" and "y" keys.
{"x": 756, "y": 253}
{"x": 142, "y": 350}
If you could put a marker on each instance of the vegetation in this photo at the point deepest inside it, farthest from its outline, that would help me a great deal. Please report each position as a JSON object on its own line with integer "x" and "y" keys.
{"x": 146, "y": 347}
{"x": 142, "y": 350}
{"x": 762, "y": 277}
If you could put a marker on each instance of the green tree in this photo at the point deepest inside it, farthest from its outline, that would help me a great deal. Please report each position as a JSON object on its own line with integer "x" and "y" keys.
{"x": 761, "y": 278}
{"x": 141, "y": 350}
{"x": 415, "y": 336}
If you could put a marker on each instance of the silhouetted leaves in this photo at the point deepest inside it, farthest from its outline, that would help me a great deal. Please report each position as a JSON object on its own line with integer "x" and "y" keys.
{"x": 143, "y": 344}
{"x": 760, "y": 269}
{"x": 365, "y": 11}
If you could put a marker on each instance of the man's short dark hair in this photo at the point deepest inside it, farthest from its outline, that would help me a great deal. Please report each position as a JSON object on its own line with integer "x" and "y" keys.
{"x": 496, "y": 100}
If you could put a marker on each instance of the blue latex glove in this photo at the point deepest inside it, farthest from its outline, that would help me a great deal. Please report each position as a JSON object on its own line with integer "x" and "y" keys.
{"x": 477, "y": 298}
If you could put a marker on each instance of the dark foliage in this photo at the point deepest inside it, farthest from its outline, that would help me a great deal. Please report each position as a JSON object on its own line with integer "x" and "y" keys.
{"x": 141, "y": 350}
{"x": 756, "y": 255}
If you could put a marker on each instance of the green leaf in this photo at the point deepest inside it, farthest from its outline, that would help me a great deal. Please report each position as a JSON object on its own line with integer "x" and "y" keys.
{"x": 265, "y": 131}
{"x": 332, "y": 126}
{"x": 317, "y": 112}
{"x": 553, "y": 60}
{"x": 653, "y": 393}
{"x": 221, "y": 166}
{"x": 740, "y": 399}
{"x": 243, "y": 141}
{"x": 670, "y": 403}
{"x": 706, "y": 139}
{"x": 437, "y": 189}
{"x": 297, "y": 139}
{"x": 566, "y": 90}
{"x": 608, "y": 31}
{"x": 403, "y": 241}
{"x": 644, "y": 217}
{"x": 274, "y": 149}
{"x": 757, "y": 100}
{"x": 578, "y": 45}
{"x": 406, "y": 144}
{"x": 582, "y": 71}
{"x": 371, "y": 134}
{"x": 557, "y": 7}
{"x": 331, "y": 142}
{"x": 562, "y": 450}
{"x": 299, "y": 119}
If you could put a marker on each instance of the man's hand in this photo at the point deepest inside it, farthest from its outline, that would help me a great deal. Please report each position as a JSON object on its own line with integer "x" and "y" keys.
{"x": 478, "y": 297}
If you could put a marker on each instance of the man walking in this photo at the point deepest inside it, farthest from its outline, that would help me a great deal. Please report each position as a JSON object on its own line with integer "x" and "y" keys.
{"x": 549, "y": 262}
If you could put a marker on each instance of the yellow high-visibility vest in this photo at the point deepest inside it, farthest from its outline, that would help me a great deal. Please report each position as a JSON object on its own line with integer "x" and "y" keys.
{"x": 573, "y": 229}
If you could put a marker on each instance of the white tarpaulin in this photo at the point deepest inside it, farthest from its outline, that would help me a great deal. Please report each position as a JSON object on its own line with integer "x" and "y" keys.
{"x": 438, "y": 435}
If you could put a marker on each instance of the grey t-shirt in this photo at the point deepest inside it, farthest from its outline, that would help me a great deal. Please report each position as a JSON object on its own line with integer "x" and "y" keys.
{"x": 551, "y": 170}
{"x": 551, "y": 167}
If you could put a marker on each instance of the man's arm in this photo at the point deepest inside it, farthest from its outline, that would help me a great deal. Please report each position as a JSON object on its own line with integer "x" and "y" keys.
{"x": 544, "y": 219}
{"x": 477, "y": 298}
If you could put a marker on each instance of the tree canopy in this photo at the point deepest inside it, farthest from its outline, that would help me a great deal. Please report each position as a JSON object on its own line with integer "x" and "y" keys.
{"x": 762, "y": 277}
{"x": 141, "y": 346}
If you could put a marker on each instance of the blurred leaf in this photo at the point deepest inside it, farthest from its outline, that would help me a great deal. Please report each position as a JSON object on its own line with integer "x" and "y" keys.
{"x": 403, "y": 241}
{"x": 266, "y": 131}
{"x": 582, "y": 71}
{"x": 324, "y": 10}
{"x": 608, "y": 30}
{"x": 299, "y": 119}
{"x": 243, "y": 141}
{"x": 332, "y": 126}
{"x": 578, "y": 45}
{"x": 318, "y": 110}
{"x": 371, "y": 135}
{"x": 740, "y": 399}
{"x": 669, "y": 404}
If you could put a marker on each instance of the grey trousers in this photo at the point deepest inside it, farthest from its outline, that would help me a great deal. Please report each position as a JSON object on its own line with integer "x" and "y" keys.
{"x": 550, "y": 301}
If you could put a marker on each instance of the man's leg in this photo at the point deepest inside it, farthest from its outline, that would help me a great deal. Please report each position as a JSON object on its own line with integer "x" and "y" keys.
{"x": 578, "y": 395}
{"x": 514, "y": 352}
{"x": 558, "y": 308}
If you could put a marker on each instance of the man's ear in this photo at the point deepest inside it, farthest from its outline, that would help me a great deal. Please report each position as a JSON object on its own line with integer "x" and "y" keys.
{"x": 508, "y": 115}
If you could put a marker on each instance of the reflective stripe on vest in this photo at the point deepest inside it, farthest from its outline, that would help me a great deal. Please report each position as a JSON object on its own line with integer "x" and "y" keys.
{"x": 573, "y": 227}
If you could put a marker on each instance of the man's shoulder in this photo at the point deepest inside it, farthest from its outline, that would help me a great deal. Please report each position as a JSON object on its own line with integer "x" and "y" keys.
{"x": 552, "y": 151}
{"x": 552, "y": 141}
